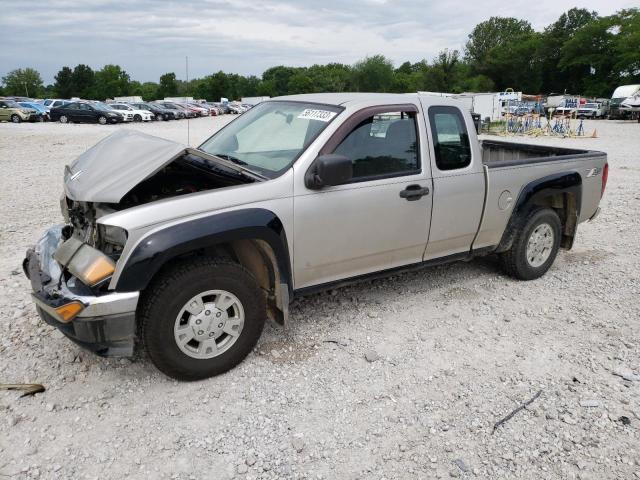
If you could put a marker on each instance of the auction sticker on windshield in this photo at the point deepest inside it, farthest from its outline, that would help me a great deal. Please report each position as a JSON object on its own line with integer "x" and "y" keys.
{"x": 316, "y": 114}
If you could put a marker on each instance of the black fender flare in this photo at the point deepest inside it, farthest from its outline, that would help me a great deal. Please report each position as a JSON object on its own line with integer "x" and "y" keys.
{"x": 160, "y": 247}
{"x": 558, "y": 183}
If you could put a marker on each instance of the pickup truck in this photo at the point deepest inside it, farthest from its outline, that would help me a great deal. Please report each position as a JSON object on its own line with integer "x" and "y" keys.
{"x": 187, "y": 251}
{"x": 591, "y": 110}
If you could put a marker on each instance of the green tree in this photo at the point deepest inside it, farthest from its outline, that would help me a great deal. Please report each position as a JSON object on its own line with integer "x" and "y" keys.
{"x": 168, "y": 85}
{"x": 555, "y": 79}
{"x": 278, "y": 77}
{"x": 516, "y": 65}
{"x": 111, "y": 81}
{"x": 333, "y": 77}
{"x": 627, "y": 45}
{"x": 300, "y": 82}
{"x": 24, "y": 82}
{"x": 82, "y": 80}
{"x": 373, "y": 74}
{"x": 592, "y": 47}
{"x": 64, "y": 83}
{"x": 495, "y": 32}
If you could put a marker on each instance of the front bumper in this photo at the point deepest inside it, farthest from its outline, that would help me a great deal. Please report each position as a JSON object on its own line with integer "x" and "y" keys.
{"x": 106, "y": 325}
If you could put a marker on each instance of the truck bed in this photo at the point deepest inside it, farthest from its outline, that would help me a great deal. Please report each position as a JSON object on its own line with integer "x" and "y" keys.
{"x": 497, "y": 153}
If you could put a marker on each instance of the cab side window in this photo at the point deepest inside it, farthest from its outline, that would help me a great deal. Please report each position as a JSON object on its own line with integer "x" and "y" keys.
{"x": 450, "y": 138}
{"x": 382, "y": 145}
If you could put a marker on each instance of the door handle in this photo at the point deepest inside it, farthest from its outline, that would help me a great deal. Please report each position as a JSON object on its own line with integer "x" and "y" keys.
{"x": 414, "y": 192}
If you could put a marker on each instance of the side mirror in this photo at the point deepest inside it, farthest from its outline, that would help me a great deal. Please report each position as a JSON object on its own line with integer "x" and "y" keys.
{"x": 329, "y": 170}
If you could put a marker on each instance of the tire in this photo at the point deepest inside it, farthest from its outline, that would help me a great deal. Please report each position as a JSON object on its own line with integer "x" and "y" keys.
{"x": 137, "y": 118}
{"x": 102, "y": 120}
{"x": 529, "y": 259}
{"x": 15, "y": 118}
{"x": 64, "y": 119}
{"x": 163, "y": 316}
{"x": 165, "y": 117}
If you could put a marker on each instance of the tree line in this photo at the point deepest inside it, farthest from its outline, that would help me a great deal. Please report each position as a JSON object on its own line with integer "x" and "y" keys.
{"x": 580, "y": 53}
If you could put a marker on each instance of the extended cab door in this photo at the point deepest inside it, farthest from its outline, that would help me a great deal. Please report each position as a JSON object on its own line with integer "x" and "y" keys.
{"x": 458, "y": 182}
{"x": 380, "y": 219}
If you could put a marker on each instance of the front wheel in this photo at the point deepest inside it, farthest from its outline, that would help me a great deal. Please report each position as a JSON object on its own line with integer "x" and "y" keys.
{"x": 535, "y": 246}
{"x": 64, "y": 119}
{"x": 202, "y": 318}
{"x": 15, "y": 118}
{"x": 102, "y": 120}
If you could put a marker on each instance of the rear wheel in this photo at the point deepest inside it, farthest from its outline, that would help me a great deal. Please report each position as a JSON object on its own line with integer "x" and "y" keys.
{"x": 535, "y": 245}
{"x": 15, "y": 118}
{"x": 202, "y": 318}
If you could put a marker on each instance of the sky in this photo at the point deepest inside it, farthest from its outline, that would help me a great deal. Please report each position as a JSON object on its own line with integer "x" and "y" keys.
{"x": 151, "y": 37}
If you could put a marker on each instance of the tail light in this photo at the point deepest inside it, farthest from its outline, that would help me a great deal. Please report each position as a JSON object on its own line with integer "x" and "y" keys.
{"x": 605, "y": 177}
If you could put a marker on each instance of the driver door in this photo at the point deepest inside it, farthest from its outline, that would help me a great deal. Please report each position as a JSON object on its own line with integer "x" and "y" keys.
{"x": 369, "y": 224}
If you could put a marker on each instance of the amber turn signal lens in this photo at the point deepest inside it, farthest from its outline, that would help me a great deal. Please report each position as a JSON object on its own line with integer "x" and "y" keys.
{"x": 97, "y": 270}
{"x": 68, "y": 311}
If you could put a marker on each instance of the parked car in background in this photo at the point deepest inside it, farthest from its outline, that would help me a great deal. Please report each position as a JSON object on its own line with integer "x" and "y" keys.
{"x": 591, "y": 110}
{"x": 620, "y": 95}
{"x": 19, "y": 99}
{"x": 188, "y": 112}
{"x": 201, "y": 110}
{"x": 235, "y": 108}
{"x": 11, "y": 111}
{"x": 136, "y": 115}
{"x": 188, "y": 108}
{"x": 564, "y": 111}
{"x": 220, "y": 107}
{"x": 159, "y": 112}
{"x": 178, "y": 112}
{"x": 85, "y": 112}
{"x": 54, "y": 102}
{"x": 42, "y": 114}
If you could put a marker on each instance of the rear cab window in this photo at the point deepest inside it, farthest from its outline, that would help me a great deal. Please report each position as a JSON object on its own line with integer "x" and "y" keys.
{"x": 450, "y": 138}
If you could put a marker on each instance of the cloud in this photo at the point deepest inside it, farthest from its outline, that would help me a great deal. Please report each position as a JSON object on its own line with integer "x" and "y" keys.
{"x": 150, "y": 37}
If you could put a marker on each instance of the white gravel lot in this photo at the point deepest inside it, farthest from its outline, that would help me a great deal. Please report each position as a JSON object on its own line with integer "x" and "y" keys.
{"x": 453, "y": 349}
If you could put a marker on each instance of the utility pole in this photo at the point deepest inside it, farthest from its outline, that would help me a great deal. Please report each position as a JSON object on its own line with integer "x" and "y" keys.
{"x": 186, "y": 59}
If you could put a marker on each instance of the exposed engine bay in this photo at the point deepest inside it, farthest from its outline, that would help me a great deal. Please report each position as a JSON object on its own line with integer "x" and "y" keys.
{"x": 186, "y": 175}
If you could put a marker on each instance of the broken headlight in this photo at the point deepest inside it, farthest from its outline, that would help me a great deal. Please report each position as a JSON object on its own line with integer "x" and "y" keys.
{"x": 112, "y": 235}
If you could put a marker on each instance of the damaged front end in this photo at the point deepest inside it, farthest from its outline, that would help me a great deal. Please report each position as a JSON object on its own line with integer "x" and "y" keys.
{"x": 71, "y": 266}
{"x": 87, "y": 313}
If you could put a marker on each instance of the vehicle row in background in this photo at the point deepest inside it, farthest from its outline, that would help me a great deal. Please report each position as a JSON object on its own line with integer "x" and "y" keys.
{"x": 121, "y": 109}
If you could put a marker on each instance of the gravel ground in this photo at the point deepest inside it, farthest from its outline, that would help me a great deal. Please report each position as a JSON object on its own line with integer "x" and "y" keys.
{"x": 398, "y": 378}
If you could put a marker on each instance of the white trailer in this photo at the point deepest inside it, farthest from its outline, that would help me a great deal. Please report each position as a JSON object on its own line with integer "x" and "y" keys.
{"x": 178, "y": 99}
{"x": 132, "y": 99}
{"x": 487, "y": 105}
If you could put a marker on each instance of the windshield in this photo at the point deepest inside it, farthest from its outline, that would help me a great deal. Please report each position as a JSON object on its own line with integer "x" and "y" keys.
{"x": 590, "y": 105}
{"x": 102, "y": 106}
{"x": 270, "y": 137}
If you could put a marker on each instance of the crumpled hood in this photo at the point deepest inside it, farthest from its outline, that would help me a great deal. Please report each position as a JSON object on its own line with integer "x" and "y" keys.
{"x": 111, "y": 168}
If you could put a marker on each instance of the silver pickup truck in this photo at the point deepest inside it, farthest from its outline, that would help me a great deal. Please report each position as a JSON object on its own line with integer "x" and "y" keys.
{"x": 188, "y": 251}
